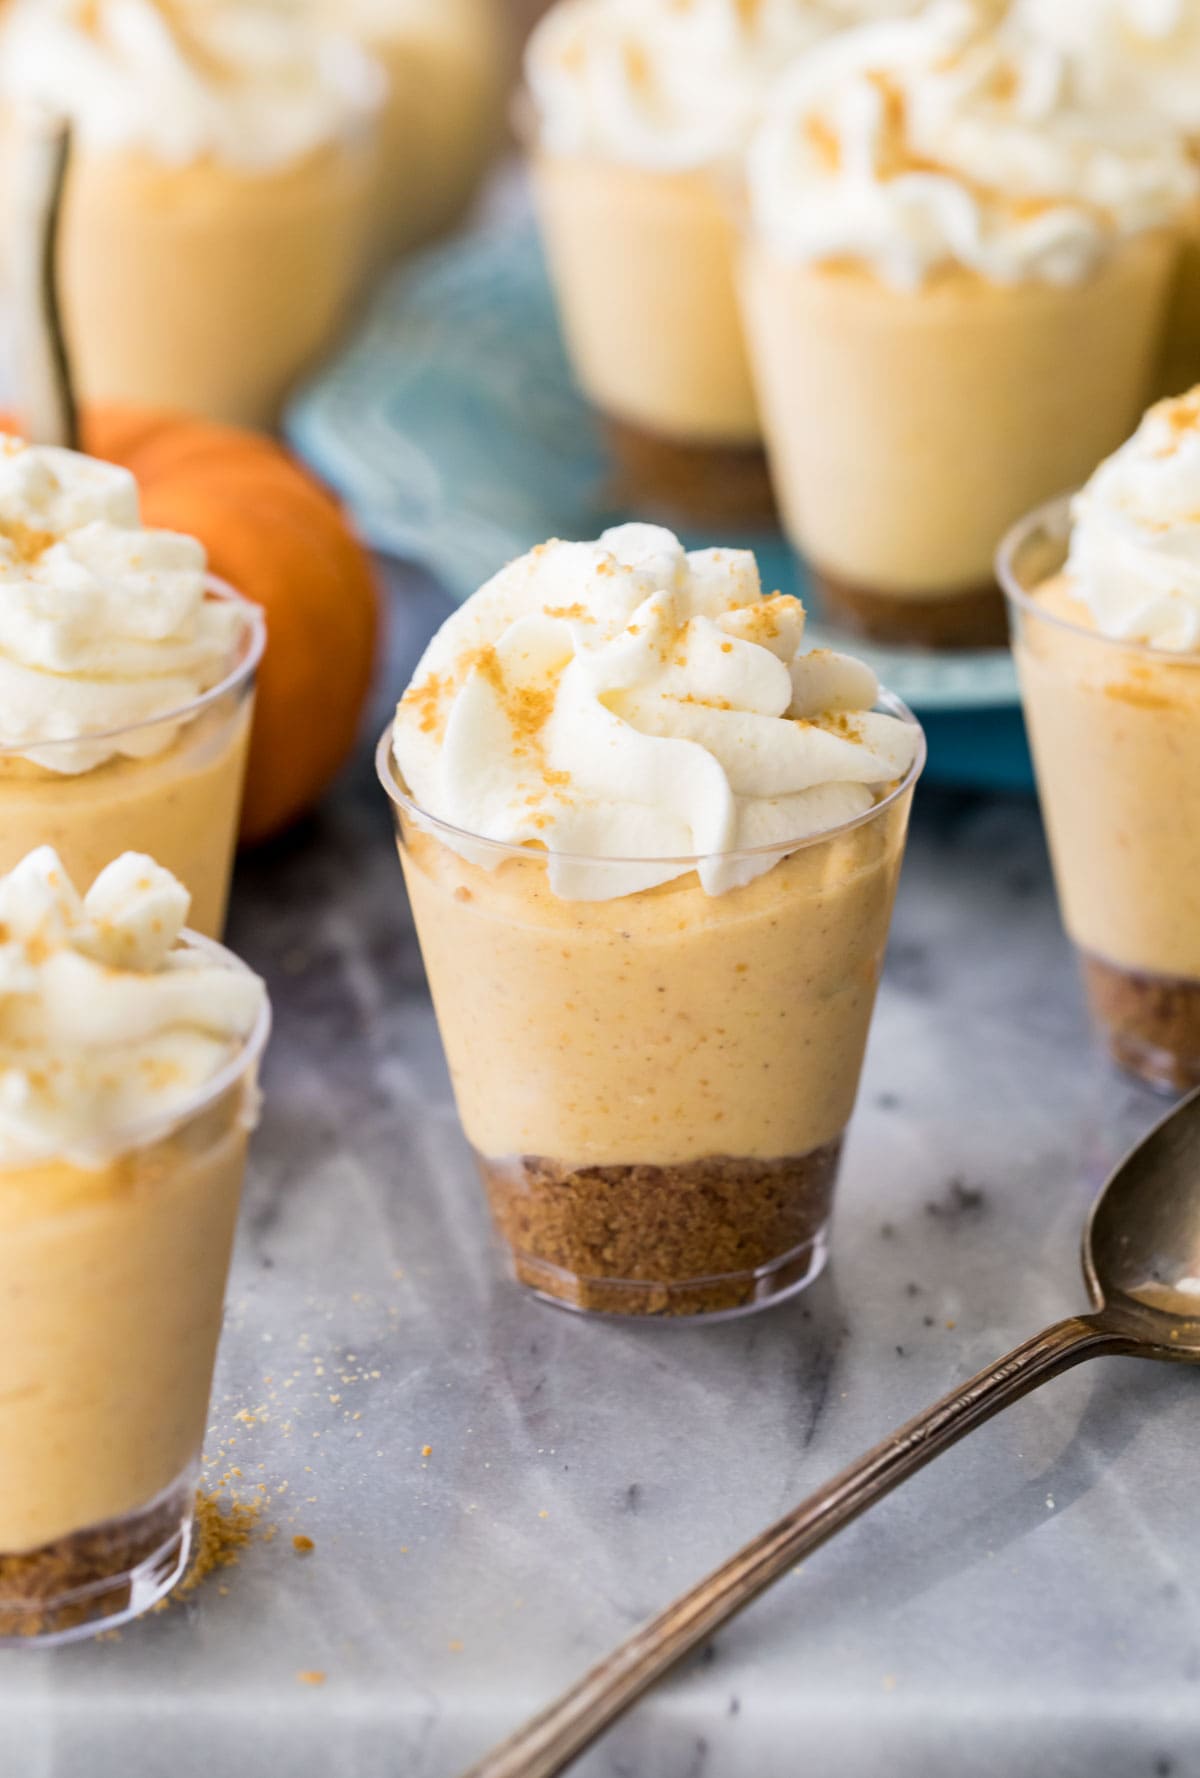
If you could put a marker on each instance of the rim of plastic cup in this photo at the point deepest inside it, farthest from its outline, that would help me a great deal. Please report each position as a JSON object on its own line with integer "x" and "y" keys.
{"x": 144, "y": 1132}
{"x": 1054, "y": 518}
{"x": 250, "y": 656}
{"x": 886, "y": 704}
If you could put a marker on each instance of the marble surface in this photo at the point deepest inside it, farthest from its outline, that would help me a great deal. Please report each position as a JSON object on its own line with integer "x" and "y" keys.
{"x": 1028, "y": 1607}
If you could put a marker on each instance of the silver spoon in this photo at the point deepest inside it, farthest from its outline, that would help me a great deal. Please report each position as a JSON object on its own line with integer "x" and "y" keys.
{"x": 1141, "y": 1259}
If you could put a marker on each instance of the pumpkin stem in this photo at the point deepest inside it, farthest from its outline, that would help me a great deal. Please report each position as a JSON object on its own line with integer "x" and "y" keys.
{"x": 43, "y": 368}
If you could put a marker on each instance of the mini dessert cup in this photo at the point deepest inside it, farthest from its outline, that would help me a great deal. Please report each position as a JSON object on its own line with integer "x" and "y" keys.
{"x": 656, "y": 1086}
{"x": 170, "y": 787}
{"x": 643, "y": 263}
{"x": 207, "y": 288}
{"x": 909, "y": 430}
{"x": 1115, "y": 732}
{"x": 112, "y": 1281}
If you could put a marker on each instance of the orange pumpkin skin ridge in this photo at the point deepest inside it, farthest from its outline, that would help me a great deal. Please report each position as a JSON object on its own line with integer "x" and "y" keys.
{"x": 279, "y": 537}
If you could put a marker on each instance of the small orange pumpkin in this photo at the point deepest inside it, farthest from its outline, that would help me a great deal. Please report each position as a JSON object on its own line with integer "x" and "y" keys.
{"x": 277, "y": 536}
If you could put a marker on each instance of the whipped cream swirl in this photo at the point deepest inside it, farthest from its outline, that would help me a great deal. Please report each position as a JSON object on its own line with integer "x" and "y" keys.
{"x": 658, "y": 83}
{"x": 103, "y": 625}
{"x": 1135, "y": 547}
{"x": 1142, "y": 50}
{"x": 107, "y": 1025}
{"x": 949, "y": 140}
{"x": 249, "y": 83}
{"x": 628, "y": 700}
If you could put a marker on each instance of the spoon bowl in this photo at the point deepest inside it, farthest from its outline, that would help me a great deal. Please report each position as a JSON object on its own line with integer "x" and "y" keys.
{"x": 1141, "y": 1248}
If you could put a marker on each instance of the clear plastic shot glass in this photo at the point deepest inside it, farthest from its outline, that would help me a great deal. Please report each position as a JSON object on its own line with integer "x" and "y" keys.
{"x": 170, "y": 787}
{"x": 656, "y": 1085}
{"x": 1115, "y": 732}
{"x": 112, "y": 1289}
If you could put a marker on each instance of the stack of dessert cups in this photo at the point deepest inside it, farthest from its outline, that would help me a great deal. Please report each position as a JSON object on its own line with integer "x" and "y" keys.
{"x": 655, "y": 1051}
{"x": 129, "y": 1045}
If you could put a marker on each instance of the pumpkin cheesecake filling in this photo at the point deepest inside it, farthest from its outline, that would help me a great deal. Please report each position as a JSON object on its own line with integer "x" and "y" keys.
{"x": 128, "y": 1055}
{"x": 126, "y": 680}
{"x": 651, "y": 845}
{"x": 1108, "y": 651}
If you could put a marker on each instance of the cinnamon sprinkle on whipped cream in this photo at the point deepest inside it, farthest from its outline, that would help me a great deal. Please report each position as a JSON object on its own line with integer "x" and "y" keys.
{"x": 630, "y": 700}
{"x": 950, "y": 140}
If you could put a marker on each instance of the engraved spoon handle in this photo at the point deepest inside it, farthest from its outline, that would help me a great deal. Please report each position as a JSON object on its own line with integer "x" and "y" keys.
{"x": 548, "y": 1743}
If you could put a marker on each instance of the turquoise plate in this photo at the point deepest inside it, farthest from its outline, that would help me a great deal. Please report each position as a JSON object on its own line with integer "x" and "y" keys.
{"x": 453, "y": 429}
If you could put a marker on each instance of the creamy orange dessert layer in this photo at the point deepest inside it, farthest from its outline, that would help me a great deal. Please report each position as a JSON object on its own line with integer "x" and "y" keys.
{"x": 910, "y": 429}
{"x": 643, "y": 262}
{"x": 201, "y": 288}
{"x": 668, "y": 1027}
{"x": 184, "y": 801}
{"x": 123, "y": 1129}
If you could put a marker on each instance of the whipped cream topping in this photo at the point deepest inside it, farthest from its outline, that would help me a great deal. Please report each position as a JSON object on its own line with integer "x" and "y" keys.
{"x": 103, "y": 624}
{"x": 107, "y": 1025}
{"x": 1144, "y": 50}
{"x": 628, "y": 700}
{"x": 949, "y": 140}
{"x": 1135, "y": 546}
{"x": 249, "y": 83}
{"x": 665, "y": 84}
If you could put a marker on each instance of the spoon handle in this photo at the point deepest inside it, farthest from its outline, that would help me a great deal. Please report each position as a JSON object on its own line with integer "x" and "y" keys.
{"x": 551, "y": 1741}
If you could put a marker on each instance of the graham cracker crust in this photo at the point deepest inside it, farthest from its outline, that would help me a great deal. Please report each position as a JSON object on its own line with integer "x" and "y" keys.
{"x": 704, "y": 1237}
{"x": 974, "y": 618}
{"x": 95, "y": 1575}
{"x": 710, "y": 484}
{"x": 1151, "y": 1022}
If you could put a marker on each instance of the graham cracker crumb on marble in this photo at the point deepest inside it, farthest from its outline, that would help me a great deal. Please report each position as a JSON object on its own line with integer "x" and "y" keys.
{"x": 226, "y": 1524}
